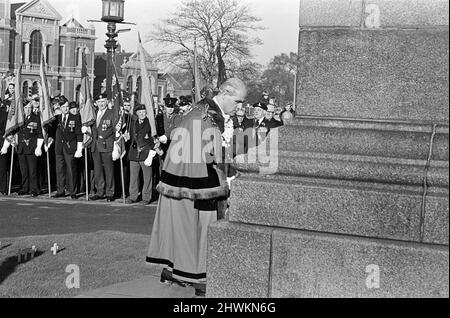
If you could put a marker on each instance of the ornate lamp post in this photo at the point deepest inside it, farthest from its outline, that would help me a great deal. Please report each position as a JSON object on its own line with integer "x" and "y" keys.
{"x": 112, "y": 13}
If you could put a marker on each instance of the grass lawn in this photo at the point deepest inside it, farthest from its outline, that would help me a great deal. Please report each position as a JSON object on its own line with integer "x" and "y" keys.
{"x": 104, "y": 258}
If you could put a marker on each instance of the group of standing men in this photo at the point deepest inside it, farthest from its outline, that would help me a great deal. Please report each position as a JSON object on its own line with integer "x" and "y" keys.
{"x": 194, "y": 182}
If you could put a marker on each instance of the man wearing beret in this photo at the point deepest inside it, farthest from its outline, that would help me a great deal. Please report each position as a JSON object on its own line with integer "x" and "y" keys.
{"x": 103, "y": 135}
{"x": 68, "y": 146}
{"x": 168, "y": 122}
{"x": 29, "y": 148}
{"x": 141, "y": 155}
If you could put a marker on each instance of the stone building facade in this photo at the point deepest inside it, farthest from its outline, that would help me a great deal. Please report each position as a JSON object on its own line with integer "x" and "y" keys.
{"x": 28, "y": 28}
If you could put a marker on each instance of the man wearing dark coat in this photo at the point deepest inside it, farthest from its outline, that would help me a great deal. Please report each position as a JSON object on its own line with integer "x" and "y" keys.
{"x": 68, "y": 146}
{"x": 141, "y": 156}
{"x": 29, "y": 148}
{"x": 103, "y": 135}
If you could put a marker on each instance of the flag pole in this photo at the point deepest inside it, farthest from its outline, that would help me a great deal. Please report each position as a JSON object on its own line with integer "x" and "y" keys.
{"x": 123, "y": 180}
{"x": 48, "y": 176}
{"x": 86, "y": 173}
{"x": 10, "y": 171}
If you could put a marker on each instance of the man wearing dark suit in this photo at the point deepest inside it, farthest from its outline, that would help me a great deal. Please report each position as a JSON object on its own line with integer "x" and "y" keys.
{"x": 103, "y": 135}
{"x": 29, "y": 148}
{"x": 141, "y": 156}
{"x": 257, "y": 128}
{"x": 3, "y": 157}
{"x": 68, "y": 146}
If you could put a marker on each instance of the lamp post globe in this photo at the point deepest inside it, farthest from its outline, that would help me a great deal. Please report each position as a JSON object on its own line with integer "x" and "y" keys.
{"x": 112, "y": 13}
{"x": 113, "y": 10}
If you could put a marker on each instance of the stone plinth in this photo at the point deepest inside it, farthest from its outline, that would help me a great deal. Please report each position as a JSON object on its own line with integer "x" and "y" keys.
{"x": 353, "y": 198}
{"x": 395, "y": 74}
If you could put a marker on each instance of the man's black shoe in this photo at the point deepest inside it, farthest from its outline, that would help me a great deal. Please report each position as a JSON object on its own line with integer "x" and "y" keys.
{"x": 110, "y": 199}
{"x": 166, "y": 278}
{"x": 59, "y": 195}
{"x": 97, "y": 197}
{"x": 73, "y": 197}
{"x": 22, "y": 192}
{"x": 34, "y": 194}
{"x": 200, "y": 292}
{"x": 200, "y": 289}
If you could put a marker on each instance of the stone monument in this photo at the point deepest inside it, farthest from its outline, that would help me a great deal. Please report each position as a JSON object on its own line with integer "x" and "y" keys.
{"x": 358, "y": 205}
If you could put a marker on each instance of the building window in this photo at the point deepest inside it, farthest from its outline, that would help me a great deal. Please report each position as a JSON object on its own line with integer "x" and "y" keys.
{"x": 130, "y": 85}
{"x": 11, "y": 52}
{"x": 48, "y": 53}
{"x": 160, "y": 94}
{"x": 77, "y": 57}
{"x": 25, "y": 91}
{"x": 23, "y": 52}
{"x": 35, "y": 88}
{"x": 77, "y": 93}
{"x": 139, "y": 88}
{"x": 35, "y": 47}
{"x": 61, "y": 56}
{"x": 61, "y": 87}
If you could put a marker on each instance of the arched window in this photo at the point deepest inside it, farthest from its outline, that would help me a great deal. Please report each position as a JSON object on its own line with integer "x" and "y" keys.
{"x": 35, "y": 88}
{"x": 25, "y": 92}
{"x": 77, "y": 93}
{"x": 35, "y": 47}
{"x": 139, "y": 88}
{"x": 77, "y": 57}
{"x": 130, "y": 85}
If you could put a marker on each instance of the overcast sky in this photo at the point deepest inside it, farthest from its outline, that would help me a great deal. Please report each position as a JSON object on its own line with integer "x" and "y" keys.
{"x": 279, "y": 17}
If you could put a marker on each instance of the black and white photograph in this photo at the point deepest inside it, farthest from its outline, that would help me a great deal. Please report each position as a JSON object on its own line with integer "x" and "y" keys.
{"x": 223, "y": 155}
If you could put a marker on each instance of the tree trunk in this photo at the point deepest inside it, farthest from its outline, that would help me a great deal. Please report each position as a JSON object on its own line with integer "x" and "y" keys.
{"x": 221, "y": 77}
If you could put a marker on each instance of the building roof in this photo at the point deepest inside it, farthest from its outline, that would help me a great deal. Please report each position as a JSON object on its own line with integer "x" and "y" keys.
{"x": 14, "y": 7}
{"x": 38, "y": 9}
{"x": 73, "y": 23}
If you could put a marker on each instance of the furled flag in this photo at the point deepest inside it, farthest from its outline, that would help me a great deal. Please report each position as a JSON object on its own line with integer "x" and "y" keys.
{"x": 196, "y": 74}
{"x": 15, "y": 115}
{"x": 45, "y": 106}
{"x": 117, "y": 101}
{"x": 147, "y": 89}
{"x": 86, "y": 103}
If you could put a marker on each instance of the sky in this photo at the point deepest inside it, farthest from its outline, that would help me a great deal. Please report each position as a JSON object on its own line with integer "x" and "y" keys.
{"x": 279, "y": 17}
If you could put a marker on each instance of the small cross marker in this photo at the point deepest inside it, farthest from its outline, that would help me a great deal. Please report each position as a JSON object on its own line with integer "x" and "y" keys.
{"x": 54, "y": 249}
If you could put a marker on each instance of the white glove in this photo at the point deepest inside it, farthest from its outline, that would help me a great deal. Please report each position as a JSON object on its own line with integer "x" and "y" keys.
{"x": 5, "y": 147}
{"x": 79, "y": 152}
{"x": 229, "y": 181}
{"x": 116, "y": 152}
{"x": 84, "y": 130}
{"x": 149, "y": 160}
{"x": 49, "y": 144}
{"x": 163, "y": 139}
{"x": 38, "y": 151}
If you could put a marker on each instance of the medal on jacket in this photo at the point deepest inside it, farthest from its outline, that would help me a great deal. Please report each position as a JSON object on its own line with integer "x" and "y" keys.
{"x": 72, "y": 125}
{"x": 27, "y": 142}
{"x": 146, "y": 136}
{"x": 32, "y": 126}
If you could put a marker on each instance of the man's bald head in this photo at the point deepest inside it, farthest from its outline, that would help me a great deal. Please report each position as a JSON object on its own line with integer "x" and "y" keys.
{"x": 231, "y": 93}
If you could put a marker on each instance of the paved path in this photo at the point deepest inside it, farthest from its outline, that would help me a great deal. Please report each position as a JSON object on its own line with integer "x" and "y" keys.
{"x": 42, "y": 216}
{"x": 146, "y": 287}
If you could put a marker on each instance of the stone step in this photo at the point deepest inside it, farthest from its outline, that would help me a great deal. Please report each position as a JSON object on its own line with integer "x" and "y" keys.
{"x": 254, "y": 261}
{"x": 363, "y": 138}
{"x": 349, "y": 167}
{"x": 338, "y": 206}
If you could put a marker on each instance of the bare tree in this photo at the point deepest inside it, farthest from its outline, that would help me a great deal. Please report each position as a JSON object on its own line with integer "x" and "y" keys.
{"x": 222, "y": 30}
